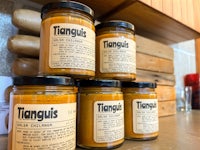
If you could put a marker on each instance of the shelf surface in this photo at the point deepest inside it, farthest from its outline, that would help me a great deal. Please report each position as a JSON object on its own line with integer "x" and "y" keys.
{"x": 148, "y": 21}
{"x": 177, "y": 132}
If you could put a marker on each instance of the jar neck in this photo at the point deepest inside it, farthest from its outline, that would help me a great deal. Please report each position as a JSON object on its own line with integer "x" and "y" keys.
{"x": 114, "y": 30}
{"x": 138, "y": 90}
{"x": 99, "y": 90}
{"x": 44, "y": 88}
{"x": 68, "y": 12}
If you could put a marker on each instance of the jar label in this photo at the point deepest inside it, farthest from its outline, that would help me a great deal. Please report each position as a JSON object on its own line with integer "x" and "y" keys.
{"x": 145, "y": 116}
{"x": 44, "y": 126}
{"x": 108, "y": 121}
{"x": 117, "y": 55}
{"x": 71, "y": 46}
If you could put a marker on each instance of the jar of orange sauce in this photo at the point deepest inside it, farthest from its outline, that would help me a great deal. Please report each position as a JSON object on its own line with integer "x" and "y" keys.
{"x": 67, "y": 40}
{"x": 115, "y": 50}
{"x": 141, "y": 110}
{"x": 42, "y": 113}
{"x": 100, "y": 122}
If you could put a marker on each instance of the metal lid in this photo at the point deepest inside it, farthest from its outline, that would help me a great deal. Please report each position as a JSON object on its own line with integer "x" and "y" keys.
{"x": 99, "y": 83}
{"x": 69, "y": 5}
{"x": 139, "y": 84}
{"x": 48, "y": 80}
{"x": 116, "y": 23}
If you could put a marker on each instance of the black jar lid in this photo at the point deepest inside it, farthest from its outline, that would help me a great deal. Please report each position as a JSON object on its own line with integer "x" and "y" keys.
{"x": 126, "y": 84}
{"x": 115, "y": 23}
{"x": 69, "y": 5}
{"x": 99, "y": 83}
{"x": 48, "y": 80}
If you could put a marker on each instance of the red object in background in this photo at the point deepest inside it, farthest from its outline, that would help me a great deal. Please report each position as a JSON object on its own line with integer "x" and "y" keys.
{"x": 194, "y": 81}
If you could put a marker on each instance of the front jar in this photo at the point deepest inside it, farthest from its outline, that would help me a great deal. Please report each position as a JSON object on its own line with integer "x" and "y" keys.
{"x": 141, "y": 110}
{"x": 100, "y": 123}
{"x": 42, "y": 113}
{"x": 67, "y": 40}
{"x": 115, "y": 50}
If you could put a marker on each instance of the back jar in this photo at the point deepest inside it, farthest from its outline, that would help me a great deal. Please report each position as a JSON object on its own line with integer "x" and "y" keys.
{"x": 67, "y": 40}
{"x": 140, "y": 110}
{"x": 115, "y": 50}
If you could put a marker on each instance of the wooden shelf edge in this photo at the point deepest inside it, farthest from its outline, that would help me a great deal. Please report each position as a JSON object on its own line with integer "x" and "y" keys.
{"x": 153, "y": 24}
{"x": 148, "y": 21}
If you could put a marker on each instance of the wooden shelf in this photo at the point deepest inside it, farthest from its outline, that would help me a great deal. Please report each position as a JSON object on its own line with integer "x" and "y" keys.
{"x": 148, "y": 21}
{"x": 177, "y": 132}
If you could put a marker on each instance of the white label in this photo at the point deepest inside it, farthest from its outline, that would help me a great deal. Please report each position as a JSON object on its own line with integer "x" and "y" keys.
{"x": 72, "y": 46}
{"x": 145, "y": 116}
{"x": 48, "y": 126}
{"x": 108, "y": 121}
{"x": 117, "y": 55}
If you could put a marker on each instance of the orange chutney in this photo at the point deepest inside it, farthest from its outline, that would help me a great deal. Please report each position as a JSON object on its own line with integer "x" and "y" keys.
{"x": 67, "y": 40}
{"x": 100, "y": 122}
{"x": 141, "y": 110}
{"x": 42, "y": 113}
{"x": 115, "y": 50}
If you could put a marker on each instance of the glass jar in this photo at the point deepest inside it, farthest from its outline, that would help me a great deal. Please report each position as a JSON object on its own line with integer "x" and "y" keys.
{"x": 141, "y": 110}
{"x": 100, "y": 123}
{"x": 67, "y": 40}
{"x": 115, "y": 50}
{"x": 42, "y": 113}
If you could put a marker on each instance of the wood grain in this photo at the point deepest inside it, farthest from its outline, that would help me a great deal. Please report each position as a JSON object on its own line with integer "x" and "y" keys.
{"x": 166, "y": 108}
{"x": 165, "y": 93}
{"x": 148, "y": 2}
{"x": 154, "y": 48}
{"x": 148, "y": 21}
{"x": 152, "y": 63}
{"x": 167, "y": 7}
{"x": 24, "y": 45}
{"x": 196, "y": 19}
{"x": 174, "y": 131}
{"x": 157, "y": 4}
{"x": 184, "y": 11}
{"x": 197, "y": 48}
{"x": 152, "y": 76}
{"x": 190, "y": 13}
{"x": 25, "y": 67}
{"x": 27, "y": 20}
{"x": 177, "y": 9}
{"x": 98, "y": 6}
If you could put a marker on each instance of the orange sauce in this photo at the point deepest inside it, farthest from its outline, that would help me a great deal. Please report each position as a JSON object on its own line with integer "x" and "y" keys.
{"x": 39, "y": 98}
{"x": 64, "y": 61}
{"x": 144, "y": 95}
{"x": 87, "y": 136}
{"x": 112, "y": 35}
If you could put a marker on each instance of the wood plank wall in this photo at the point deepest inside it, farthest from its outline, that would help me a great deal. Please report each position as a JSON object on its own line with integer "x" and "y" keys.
{"x": 185, "y": 11}
{"x": 197, "y": 47}
{"x": 154, "y": 62}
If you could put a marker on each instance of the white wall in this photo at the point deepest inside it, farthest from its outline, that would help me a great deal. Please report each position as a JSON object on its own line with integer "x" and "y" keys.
{"x": 6, "y": 30}
{"x": 184, "y": 63}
